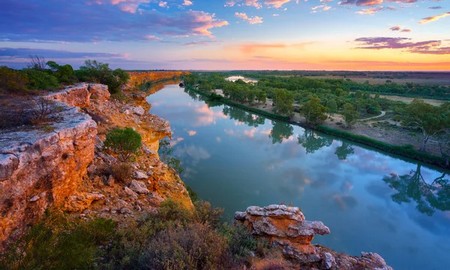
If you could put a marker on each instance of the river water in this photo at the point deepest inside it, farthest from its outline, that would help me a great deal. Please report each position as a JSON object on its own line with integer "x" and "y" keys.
{"x": 371, "y": 201}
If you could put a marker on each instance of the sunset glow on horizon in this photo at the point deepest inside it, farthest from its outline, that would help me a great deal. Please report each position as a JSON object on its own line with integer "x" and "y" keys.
{"x": 368, "y": 35}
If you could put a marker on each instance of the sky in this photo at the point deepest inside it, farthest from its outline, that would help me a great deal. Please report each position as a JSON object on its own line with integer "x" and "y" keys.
{"x": 229, "y": 34}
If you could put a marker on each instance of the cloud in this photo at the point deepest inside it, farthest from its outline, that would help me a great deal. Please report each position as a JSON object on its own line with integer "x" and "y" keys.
{"x": 373, "y": 10}
{"x": 421, "y": 47}
{"x": 250, "y": 48}
{"x": 276, "y": 3}
{"x": 320, "y": 8}
{"x": 26, "y": 52}
{"x": 187, "y": 3}
{"x": 434, "y": 18}
{"x": 130, "y": 6}
{"x": 435, "y": 7}
{"x": 250, "y": 20}
{"x": 49, "y": 20}
{"x": 361, "y": 2}
{"x": 257, "y": 3}
{"x": 20, "y": 57}
{"x": 399, "y": 29}
{"x": 248, "y": 3}
{"x": 373, "y": 2}
{"x": 163, "y": 4}
{"x": 192, "y": 132}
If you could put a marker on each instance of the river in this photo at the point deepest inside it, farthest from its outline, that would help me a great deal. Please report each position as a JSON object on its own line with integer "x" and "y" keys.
{"x": 371, "y": 201}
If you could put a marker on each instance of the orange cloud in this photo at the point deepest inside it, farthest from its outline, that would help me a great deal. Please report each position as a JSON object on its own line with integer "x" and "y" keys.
{"x": 276, "y": 3}
{"x": 250, "y": 20}
{"x": 249, "y": 48}
{"x": 434, "y": 18}
{"x": 205, "y": 22}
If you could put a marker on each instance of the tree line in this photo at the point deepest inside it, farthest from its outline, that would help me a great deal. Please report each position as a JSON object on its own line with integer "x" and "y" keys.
{"x": 49, "y": 75}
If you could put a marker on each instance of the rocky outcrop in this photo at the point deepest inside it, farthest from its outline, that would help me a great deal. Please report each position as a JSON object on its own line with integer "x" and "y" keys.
{"x": 43, "y": 165}
{"x": 286, "y": 228}
{"x": 81, "y": 95}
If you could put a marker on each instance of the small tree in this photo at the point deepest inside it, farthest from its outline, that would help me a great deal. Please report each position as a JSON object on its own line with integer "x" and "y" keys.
{"x": 350, "y": 114}
{"x": 429, "y": 119}
{"x": 314, "y": 111}
{"x": 125, "y": 142}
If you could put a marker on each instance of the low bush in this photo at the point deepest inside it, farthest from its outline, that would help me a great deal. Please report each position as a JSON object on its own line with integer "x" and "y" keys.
{"x": 124, "y": 142}
{"x": 196, "y": 246}
{"x": 58, "y": 242}
{"x": 122, "y": 172}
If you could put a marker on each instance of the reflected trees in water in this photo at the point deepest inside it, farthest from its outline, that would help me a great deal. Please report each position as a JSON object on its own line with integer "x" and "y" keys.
{"x": 344, "y": 150}
{"x": 312, "y": 142}
{"x": 280, "y": 131}
{"x": 250, "y": 119}
{"x": 413, "y": 187}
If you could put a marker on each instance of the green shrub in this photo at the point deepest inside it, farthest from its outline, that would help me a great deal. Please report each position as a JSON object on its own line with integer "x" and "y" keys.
{"x": 41, "y": 80}
{"x": 94, "y": 71}
{"x": 12, "y": 81}
{"x": 124, "y": 142}
{"x": 58, "y": 242}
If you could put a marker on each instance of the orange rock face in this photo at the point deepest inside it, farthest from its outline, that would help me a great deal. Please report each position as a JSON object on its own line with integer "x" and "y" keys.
{"x": 39, "y": 167}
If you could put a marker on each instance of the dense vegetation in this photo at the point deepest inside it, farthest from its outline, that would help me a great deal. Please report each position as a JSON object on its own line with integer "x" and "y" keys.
{"x": 41, "y": 75}
{"x": 173, "y": 238}
{"x": 315, "y": 98}
{"x": 433, "y": 89}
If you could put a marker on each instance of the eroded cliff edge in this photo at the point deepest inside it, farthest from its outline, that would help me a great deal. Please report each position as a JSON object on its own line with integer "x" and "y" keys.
{"x": 60, "y": 163}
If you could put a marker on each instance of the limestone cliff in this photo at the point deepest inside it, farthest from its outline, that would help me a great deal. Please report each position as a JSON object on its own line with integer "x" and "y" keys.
{"x": 60, "y": 162}
{"x": 42, "y": 165}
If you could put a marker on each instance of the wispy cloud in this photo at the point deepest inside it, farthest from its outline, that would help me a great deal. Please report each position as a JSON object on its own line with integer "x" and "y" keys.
{"x": 256, "y": 48}
{"x": 98, "y": 22}
{"x": 257, "y": 3}
{"x": 374, "y": 2}
{"x": 187, "y": 3}
{"x": 250, "y": 20}
{"x": 320, "y": 8}
{"x": 373, "y": 10}
{"x": 398, "y": 28}
{"x": 26, "y": 52}
{"x": 421, "y": 47}
{"x": 434, "y": 18}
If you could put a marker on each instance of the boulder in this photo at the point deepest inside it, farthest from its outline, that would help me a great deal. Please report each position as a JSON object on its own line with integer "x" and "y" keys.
{"x": 287, "y": 228}
{"x": 140, "y": 175}
{"x": 131, "y": 193}
{"x": 139, "y": 187}
{"x": 99, "y": 92}
{"x": 138, "y": 110}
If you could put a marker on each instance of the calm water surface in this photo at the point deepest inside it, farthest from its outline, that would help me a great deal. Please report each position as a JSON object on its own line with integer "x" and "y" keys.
{"x": 370, "y": 201}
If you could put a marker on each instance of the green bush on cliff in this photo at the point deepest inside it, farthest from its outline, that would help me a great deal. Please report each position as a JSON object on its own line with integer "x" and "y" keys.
{"x": 94, "y": 71}
{"x": 124, "y": 142}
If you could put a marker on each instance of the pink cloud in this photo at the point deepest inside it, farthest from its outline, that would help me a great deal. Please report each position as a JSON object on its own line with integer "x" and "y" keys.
{"x": 187, "y": 3}
{"x": 434, "y": 18}
{"x": 276, "y": 3}
{"x": 257, "y": 3}
{"x": 204, "y": 22}
{"x": 250, "y": 20}
{"x": 421, "y": 47}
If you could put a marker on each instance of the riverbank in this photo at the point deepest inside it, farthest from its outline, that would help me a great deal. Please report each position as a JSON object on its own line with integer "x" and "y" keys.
{"x": 390, "y": 140}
